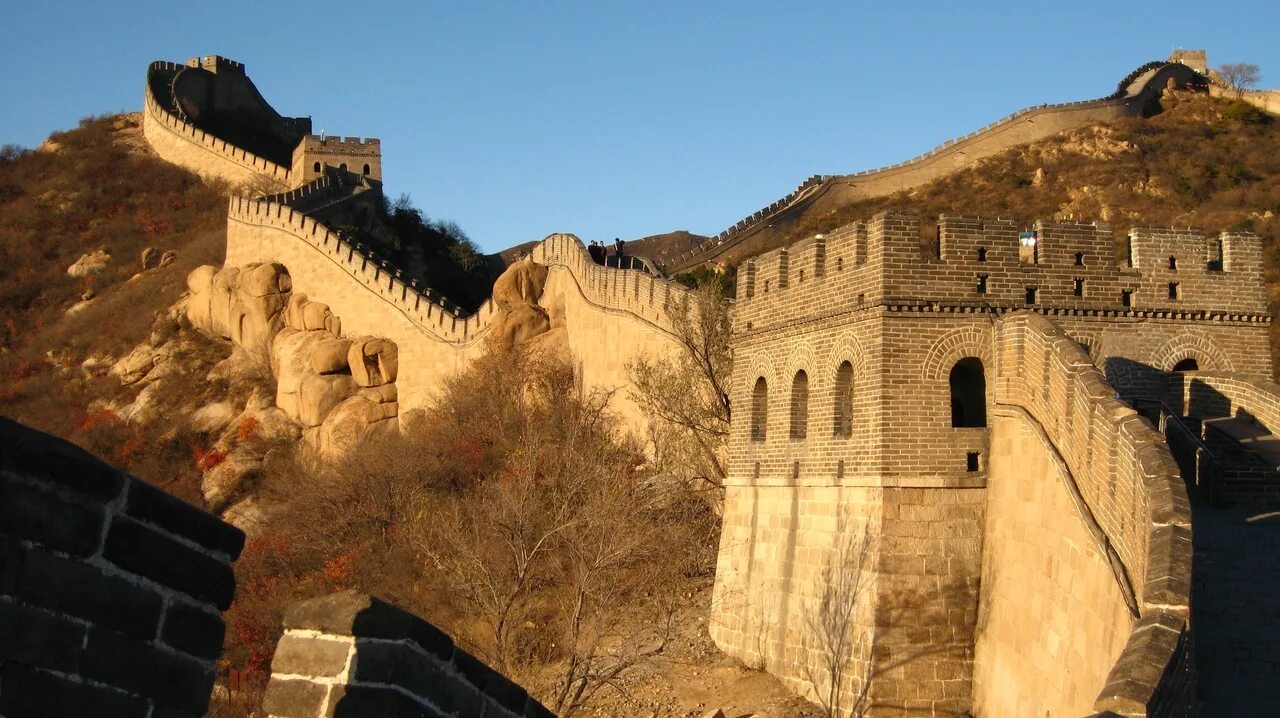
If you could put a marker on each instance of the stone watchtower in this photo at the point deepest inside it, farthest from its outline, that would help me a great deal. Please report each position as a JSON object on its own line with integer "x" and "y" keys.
{"x": 865, "y": 371}
{"x": 1197, "y": 60}
{"x": 361, "y": 157}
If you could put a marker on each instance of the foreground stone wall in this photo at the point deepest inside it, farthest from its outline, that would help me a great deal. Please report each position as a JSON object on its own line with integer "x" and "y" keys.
{"x": 110, "y": 589}
{"x": 1128, "y": 494}
{"x": 1053, "y": 619}
{"x": 348, "y": 654}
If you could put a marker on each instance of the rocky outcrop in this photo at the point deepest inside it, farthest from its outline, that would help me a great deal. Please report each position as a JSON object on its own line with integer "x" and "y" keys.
{"x": 516, "y": 294}
{"x": 336, "y": 389}
{"x": 92, "y": 263}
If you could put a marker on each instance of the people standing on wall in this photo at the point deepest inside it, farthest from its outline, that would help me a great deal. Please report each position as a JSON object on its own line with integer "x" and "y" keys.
{"x": 596, "y": 250}
{"x": 617, "y": 247}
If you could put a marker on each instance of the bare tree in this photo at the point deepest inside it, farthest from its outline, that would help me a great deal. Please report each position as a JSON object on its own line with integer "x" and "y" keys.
{"x": 688, "y": 395}
{"x": 573, "y": 557}
{"x": 841, "y": 678}
{"x": 1238, "y": 76}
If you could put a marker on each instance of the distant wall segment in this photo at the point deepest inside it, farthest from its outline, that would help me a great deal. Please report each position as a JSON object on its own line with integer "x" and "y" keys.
{"x": 609, "y": 316}
{"x": 179, "y": 141}
{"x": 753, "y": 234}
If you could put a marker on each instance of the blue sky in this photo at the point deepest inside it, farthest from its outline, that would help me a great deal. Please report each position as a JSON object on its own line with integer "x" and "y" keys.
{"x": 616, "y": 119}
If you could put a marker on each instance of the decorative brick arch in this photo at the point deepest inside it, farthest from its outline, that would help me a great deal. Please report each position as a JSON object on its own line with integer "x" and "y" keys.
{"x": 847, "y": 348}
{"x": 954, "y": 346}
{"x": 1191, "y": 345}
{"x": 802, "y": 357}
{"x": 761, "y": 366}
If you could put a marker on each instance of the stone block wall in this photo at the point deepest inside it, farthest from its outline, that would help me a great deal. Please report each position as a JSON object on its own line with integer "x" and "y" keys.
{"x": 110, "y": 589}
{"x": 1128, "y": 495}
{"x": 610, "y": 316}
{"x": 348, "y": 654}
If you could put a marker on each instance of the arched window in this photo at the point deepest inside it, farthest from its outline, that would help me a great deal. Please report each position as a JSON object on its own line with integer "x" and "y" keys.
{"x": 315, "y": 167}
{"x": 366, "y": 169}
{"x": 759, "y": 409}
{"x": 968, "y": 393}
{"x": 1188, "y": 364}
{"x": 800, "y": 405}
{"x": 844, "y": 401}
{"x": 982, "y": 254}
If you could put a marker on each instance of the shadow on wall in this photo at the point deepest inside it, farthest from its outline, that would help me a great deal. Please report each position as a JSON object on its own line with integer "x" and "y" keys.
{"x": 349, "y": 655}
{"x": 110, "y": 589}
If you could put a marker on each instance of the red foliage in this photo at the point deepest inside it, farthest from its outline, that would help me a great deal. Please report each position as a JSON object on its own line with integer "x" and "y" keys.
{"x": 206, "y": 460}
{"x": 131, "y": 449}
{"x": 25, "y": 369}
{"x": 339, "y": 572}
{"x": 247, "y": 430}
{"x": 96, "y": 419}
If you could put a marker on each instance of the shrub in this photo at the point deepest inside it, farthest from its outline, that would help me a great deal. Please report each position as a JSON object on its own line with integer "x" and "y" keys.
{"x": 1245, "y": 113}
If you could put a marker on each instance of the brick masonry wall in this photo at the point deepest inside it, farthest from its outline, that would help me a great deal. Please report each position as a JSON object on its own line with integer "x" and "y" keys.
{"x": 348, "y": 654}
{"x": 110, "y": 589}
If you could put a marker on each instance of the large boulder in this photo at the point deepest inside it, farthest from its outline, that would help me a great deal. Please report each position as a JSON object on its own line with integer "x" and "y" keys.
{"x": 92, "y": 263}
{"x": 243, "y": 304}
{"x": 516, "y": 294}
{"x": 373, "y": 361}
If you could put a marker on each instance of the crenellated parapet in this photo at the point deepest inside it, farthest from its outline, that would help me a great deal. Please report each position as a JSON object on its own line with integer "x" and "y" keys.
{"x": 1127, "y": 491}
{"x": 176, "y": 139}
{"x": 974, "y": 264}
{"x": 358, "y": 156}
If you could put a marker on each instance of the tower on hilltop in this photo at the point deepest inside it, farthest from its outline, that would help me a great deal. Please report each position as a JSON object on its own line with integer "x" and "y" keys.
{"x": 1197, "y": 60}
{"x": 351, "y": 154}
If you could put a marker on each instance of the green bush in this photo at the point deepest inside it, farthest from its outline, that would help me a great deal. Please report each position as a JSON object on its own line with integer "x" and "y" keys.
{"x": 1245, "y": 113}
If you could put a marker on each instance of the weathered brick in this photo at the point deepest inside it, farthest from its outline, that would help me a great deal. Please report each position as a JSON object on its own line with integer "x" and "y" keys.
{"x": 87, "y": 592}
{"x": 31, "y": 453}
{"x": 193, "y": 630}
{"x": 308, "y": 656}
{"x": 50, "y": 516}
{"x": 348, "y": 613}
{"x": 39, "y": 638}
{"x": 141, "y": 668}
{"x": 27, "y": 692}
{"x": 294, "y": 698}
{"x": 151, "y": 505}
{"x": 357, "y": 701}
{"x": 145, "y": 551}
{"x": 490, "y": 682}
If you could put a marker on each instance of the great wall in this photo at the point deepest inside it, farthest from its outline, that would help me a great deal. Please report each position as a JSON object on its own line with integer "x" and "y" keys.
{"x": 978, "y": 461}
{"x": 1133, "y": 97}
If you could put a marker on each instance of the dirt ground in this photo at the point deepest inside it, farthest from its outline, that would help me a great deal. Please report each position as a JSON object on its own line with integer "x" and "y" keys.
{"x": 693, "y": 678}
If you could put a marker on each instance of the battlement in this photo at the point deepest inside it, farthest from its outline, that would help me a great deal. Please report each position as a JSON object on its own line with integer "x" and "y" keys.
{"x": 1197, "y": 60}
{"x": 352, "y": 154}
{"x": 216, "y": 63}
{"x": 972, "y": 263}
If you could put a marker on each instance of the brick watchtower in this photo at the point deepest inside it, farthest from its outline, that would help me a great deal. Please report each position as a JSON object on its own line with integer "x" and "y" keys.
{"x": 352, "y": 154}
{"x": 864, "y": 365}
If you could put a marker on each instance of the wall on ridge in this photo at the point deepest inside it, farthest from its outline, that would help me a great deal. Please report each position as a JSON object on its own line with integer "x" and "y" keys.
{"x": 185, "y": 145}
{"x": 611, "y": 317}
{"x": 608, "y": 316}
{"x": 1022, "y": 127}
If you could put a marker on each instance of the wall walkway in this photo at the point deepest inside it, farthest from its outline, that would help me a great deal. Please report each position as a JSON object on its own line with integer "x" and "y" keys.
{"x": 178, "y": 141}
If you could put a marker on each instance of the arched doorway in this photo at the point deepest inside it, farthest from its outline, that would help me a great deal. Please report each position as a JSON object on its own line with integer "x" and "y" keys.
{"x": 968, "y": 394}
